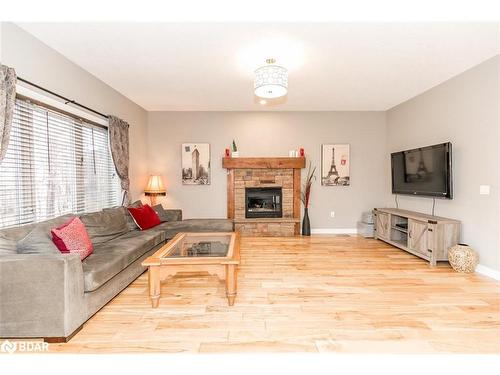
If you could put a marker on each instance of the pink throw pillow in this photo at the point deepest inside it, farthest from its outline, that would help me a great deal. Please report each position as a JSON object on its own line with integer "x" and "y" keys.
{"x": 72, "y": 237}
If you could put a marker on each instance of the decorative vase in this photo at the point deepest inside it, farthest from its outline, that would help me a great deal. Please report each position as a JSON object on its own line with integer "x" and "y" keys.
{"x": 235, "y": 154}
{"x": 463, "y": 258}
{"x": 306, "y": 225}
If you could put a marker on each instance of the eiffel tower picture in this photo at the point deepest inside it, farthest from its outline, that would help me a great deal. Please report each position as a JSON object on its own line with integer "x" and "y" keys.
{"x": 422, "y": 171}
{"x": 335, "y": 165}
{"x": 332, "y": 173}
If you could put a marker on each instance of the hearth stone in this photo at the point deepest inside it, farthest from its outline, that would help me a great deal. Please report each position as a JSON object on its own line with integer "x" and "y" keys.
{"x": 265, "y": 229}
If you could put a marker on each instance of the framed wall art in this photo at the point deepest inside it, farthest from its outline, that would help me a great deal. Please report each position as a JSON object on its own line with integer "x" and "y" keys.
{"x": 195, "y": 164}
{"x": 335, "y": 164}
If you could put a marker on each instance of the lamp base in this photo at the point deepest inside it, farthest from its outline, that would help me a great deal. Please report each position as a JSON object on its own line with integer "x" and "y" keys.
{"x": 152, "y": 197}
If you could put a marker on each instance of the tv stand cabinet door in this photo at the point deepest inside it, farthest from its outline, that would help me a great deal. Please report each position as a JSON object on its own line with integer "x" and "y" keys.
{"x": 417, "y": 237}
{"x": 383, "y": 225}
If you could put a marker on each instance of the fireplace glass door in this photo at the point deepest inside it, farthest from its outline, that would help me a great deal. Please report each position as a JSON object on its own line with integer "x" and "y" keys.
{"x": 263, "y": 202}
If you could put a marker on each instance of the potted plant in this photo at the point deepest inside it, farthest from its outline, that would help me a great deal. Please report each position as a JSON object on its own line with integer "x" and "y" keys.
{"x": 305, "y": 195}
{"x": 235, "y": 153}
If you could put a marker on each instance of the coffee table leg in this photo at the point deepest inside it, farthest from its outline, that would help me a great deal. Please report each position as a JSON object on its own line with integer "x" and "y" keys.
{"x": 154, "y": 285}
{"x": 231, "y": 283}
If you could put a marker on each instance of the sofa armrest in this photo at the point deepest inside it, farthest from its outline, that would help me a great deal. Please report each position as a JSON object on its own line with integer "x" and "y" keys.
{"x": 173, "y": 214}
{"x": 41, "y": 295}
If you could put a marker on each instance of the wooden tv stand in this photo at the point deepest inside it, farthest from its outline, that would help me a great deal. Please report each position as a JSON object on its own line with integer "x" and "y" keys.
{"x": 426, "y": 236}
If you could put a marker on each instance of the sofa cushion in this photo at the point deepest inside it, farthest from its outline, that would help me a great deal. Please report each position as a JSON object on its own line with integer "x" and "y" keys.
{"x": 111, "y": 258}
{"x": 11, "y": 236}
{"x": 167, "y": 215}
{"x": 160, "y": 211}
{"x": 171, "y": 228}
{"x": 130, "y": 220}
{"x": 105, "y": 225}
{"x": 173, "y": 214}
{"x": 39, "y": 239}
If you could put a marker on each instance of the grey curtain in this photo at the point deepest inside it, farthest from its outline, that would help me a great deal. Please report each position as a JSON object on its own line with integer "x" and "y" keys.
{"x": 118, "y": 141}
{"x": 7, "y": 100}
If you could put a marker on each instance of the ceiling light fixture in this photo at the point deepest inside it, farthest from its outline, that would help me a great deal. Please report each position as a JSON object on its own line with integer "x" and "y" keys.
{"x": 271, "y": 81}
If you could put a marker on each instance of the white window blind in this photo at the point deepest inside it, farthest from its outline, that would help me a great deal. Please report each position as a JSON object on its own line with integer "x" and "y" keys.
{"x": 55, "y": 164}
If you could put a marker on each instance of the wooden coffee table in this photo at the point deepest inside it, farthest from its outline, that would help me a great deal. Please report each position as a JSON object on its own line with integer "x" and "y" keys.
{"x": 217, "y": 253}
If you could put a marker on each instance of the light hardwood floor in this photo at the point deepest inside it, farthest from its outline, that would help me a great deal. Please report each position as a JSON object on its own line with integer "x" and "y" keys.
{"x": 337, "y": 293}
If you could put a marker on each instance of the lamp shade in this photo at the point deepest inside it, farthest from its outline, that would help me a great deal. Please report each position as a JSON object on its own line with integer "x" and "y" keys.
{"x": 155, "y": 186}
{"x": 271, "y": 81}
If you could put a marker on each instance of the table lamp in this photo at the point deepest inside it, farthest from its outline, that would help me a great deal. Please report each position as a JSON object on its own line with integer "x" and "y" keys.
{"x": 154, "y": 188}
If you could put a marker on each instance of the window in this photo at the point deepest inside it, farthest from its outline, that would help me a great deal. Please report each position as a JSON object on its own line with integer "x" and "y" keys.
{"x": 55, "y": 164}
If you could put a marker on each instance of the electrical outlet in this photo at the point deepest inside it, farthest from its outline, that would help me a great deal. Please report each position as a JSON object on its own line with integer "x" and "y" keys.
{"x": 484, "y": 189}
{"x": 332, "y": 214}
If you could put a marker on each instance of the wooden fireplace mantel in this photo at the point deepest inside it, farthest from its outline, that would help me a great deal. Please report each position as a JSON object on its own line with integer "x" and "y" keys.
{"x": 262, "y": 163}
{"x": 257, "y": 171}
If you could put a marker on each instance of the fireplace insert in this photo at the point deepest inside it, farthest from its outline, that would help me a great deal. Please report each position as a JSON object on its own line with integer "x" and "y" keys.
{"x": 263, "y": 202}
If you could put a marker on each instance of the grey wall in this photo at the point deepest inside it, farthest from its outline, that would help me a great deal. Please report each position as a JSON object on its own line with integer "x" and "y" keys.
{"x": 40, "y": 64}
{"x": 465, "y": 111}
{"x": 272, "y": 134}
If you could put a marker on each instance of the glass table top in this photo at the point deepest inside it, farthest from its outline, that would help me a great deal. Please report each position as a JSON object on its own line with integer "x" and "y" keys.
{"x": 200, "y": 246}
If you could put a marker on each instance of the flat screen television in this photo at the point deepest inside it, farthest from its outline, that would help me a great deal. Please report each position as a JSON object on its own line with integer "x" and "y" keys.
{"x": 423, "y": 171}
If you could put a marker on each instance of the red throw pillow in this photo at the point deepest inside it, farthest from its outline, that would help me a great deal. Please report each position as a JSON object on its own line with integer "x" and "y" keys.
{"x": 72, "y": 237}
{"x": 145, "y": 217}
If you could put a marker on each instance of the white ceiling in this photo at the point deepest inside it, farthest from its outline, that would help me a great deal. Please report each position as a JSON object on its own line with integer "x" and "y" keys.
{"x": 209, "y": 67}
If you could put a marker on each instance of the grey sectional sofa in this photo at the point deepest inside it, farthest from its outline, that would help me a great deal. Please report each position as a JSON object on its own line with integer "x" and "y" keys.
{"x": 45, "y": 294}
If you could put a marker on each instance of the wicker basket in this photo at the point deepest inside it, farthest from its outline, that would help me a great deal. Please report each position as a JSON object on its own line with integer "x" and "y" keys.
{"x": 463, "y": 258}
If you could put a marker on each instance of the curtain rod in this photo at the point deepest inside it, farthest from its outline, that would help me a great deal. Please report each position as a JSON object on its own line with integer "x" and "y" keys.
{"x": 66, "y": 100}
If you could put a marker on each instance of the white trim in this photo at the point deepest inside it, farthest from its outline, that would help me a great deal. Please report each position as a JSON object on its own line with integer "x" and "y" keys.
{"x": 487, "y": 271}
{"x": 334, "y": 231}
{"x": 36, "y": 95}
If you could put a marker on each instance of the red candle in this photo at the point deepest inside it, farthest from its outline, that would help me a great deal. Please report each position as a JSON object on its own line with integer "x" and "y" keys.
{"x": 301, "y": 152}
{"x": 227, "y": 152}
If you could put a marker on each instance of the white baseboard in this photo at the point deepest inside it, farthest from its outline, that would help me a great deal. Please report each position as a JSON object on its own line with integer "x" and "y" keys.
{"x": 487, "y": 271}
{"x": 334, "y": 231}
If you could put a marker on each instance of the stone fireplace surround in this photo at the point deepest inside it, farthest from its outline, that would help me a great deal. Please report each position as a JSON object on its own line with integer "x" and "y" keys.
{"x": 264, "y": 172}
